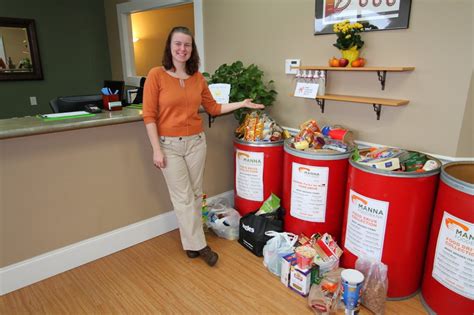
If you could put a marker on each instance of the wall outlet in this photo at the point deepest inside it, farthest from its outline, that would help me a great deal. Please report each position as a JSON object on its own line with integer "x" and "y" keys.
{"x": 292, "y": 63}
{"x": 33, "y": 101}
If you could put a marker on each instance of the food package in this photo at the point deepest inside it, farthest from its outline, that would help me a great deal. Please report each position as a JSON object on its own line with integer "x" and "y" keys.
{"x": 259, "y": 126}
{"x": 389, "y": 164}
{"x": 329, "y": 246}
{"x": 300, "y": 280}
{"x": 287, "y": 262}
{"x": 304, "y": 256}
{"x": 374, "y": 289}
{"x": 412, "y": 161}
{"x": 270, "y": 205}
{"x": 323, "y": 298}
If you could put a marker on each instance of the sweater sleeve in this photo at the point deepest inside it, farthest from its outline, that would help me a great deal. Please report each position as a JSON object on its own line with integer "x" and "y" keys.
{"x": 210, "y": 105}
{"x": 151, "y": 93}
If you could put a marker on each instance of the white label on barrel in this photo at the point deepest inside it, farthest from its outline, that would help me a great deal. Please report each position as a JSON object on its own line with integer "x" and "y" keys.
{"x": 309, "y": 190}
{"x": 249, "y": 175}
{"x": 453, "y": 264}
{"x": 366, "y": 222}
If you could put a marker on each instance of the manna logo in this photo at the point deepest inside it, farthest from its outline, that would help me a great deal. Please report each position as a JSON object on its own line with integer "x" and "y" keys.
{"x": 308, "y": 171}
{"x": 461, "y": 231}
{"x": 242, "y": 155}
{"x": 356, "y": 199}
{"x": 363, "y": 206}
{"x": 246, "y": 158}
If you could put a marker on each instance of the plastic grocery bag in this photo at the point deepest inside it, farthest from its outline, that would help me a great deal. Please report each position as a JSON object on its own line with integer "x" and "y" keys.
{"x": 374, "y": 290}
{"x": 324, "y": 297}
{"x": 223, "y": 220}
{"x": 279, "y": 245}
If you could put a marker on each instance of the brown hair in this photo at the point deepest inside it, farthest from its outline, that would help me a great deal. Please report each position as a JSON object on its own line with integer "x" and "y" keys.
{"x": 192, "y": 65}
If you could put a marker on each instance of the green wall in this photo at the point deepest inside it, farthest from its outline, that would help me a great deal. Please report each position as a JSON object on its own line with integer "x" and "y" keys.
{"x": 74, "y": 53}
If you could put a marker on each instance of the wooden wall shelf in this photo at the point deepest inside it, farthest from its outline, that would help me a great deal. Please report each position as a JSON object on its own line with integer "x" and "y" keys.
{"x": 326, "y": 68}
{"x": 381, "y": 71}
{"x": 376, "y": 102}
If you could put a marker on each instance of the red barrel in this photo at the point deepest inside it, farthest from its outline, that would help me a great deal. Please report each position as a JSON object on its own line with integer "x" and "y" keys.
{"x": 313, "y": 191}
{"x": 258, "y": 172}
{"x": 386, "y": 217}
{"x": 448, "y": 281}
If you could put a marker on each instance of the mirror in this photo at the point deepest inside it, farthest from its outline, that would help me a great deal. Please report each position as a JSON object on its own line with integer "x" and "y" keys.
{"x": 19, "y": 53}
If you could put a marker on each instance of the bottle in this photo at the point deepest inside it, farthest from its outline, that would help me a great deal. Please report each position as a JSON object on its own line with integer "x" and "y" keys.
{"x": 298, "y": 76}
{"x": 303, "y": 76}
{"x": 204, "y": 213}
{"x": 316, "y": 79}
{"x": 322, "y": 83}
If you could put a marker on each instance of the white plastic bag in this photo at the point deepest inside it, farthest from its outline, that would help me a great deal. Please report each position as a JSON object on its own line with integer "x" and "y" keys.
{"x": 374, "y": 290}
{"x": 279, "y": 245}
{"x": 223, "y": 220}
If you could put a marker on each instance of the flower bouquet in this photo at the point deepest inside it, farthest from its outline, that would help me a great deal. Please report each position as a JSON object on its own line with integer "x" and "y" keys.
{"x": 349, "y": 40}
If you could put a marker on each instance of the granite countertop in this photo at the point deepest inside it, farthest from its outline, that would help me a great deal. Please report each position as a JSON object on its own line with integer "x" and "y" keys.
{"x": 32, "y": 125}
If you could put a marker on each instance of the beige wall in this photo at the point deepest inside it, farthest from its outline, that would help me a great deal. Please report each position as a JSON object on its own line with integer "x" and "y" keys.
{"x": 466, "y": 139}
{"x": 267, "y": 32}
{"x": 83, "y": 183}
{"x": 152, "y": 28}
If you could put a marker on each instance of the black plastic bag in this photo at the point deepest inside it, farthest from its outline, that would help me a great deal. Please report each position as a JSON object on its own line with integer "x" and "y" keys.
{"x": 252, "y": 230}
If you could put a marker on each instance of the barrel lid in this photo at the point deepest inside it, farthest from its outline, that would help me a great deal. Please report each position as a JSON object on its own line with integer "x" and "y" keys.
{"x": 315, "y": 155}
{"x": 259, "y": 143}
{"x": 377, "y": 171}
{"x": 459, "y": 176}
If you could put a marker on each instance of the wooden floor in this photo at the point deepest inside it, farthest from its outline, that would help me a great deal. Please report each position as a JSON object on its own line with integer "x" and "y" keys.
{"x": 156, "y": 277}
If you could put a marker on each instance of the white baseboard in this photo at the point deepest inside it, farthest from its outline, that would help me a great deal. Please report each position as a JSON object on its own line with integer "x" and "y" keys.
{"x": 46, "y": 265}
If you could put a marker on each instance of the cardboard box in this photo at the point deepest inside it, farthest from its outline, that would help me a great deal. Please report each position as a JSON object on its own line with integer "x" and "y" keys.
{"x": 389, "y": 164}
{"x": 300, "y": 280}
{"x": 287, "y": 263}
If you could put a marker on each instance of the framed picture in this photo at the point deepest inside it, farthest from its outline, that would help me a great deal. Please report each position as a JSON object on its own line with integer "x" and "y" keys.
{"x": 384, "y": 14}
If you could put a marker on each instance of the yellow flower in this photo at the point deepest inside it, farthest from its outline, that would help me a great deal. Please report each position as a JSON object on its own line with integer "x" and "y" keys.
{"x": 348, "y": 36}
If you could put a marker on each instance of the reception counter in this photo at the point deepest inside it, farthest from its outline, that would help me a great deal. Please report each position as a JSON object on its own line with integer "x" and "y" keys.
{"x": 66, "y": 181}
{"x": 32, "y": 125}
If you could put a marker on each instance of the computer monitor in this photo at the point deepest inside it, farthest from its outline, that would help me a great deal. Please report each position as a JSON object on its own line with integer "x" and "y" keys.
{"x": 64, "y": 104}
{"x": 116, "y": 86}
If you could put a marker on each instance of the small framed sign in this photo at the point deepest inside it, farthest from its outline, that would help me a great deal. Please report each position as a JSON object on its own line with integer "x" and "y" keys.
{"x": 384, "y": 14}
{"x": 306, "y": 90}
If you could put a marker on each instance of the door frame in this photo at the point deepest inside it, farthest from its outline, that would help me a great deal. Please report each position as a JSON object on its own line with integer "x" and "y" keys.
{"x": 124, "y": 10}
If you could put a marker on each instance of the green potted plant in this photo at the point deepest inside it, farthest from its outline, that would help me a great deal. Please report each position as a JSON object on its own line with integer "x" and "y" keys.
{"x": 246, "y": 82}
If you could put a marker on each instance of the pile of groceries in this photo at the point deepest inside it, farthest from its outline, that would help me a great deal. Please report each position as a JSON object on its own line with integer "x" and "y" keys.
{"x": 258, "y": 126}
{"x": 310, "y": 267}
{"x": 393, "y": 159}
{"x": 325, "y": 140}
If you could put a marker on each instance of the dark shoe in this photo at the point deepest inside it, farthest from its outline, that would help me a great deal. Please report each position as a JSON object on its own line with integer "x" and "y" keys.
{"x": 209, "y": 256}
{"x": 192, "y": 253}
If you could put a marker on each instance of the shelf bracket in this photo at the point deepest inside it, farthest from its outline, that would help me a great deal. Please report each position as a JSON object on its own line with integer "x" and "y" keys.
{"x": 377, "y": 110}
{"x": 321, "y": 104}
{"x": 211, "y": 119}
{"x": 382, "y": 75}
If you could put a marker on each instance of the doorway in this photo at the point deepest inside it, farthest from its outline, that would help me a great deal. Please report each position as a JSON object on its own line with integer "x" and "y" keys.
{"x": 150, "y": 30}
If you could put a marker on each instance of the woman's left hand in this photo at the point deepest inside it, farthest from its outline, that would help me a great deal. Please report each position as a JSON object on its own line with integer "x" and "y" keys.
{"x": 249, "y": 104}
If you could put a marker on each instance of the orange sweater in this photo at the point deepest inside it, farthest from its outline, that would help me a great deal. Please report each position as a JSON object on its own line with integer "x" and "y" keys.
{"x": 174, "y": 108}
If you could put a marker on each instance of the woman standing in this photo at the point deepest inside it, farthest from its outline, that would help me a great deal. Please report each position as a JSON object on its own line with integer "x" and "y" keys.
{"x": 171, "y": 99}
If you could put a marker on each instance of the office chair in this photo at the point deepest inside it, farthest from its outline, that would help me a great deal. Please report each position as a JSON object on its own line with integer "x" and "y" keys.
{"x": 64, "y": 104}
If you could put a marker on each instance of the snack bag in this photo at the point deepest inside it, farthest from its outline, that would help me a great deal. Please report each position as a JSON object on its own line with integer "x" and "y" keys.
{"x": 270, "y": 205}
{"x": 374, "y": 290}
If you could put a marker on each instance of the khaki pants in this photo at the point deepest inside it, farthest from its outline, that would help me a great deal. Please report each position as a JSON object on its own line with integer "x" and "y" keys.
{"x": 185, "y": 157}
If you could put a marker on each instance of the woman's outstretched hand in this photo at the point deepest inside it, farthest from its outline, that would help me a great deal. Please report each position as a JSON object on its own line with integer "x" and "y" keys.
{"x": 249, "y": 104}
